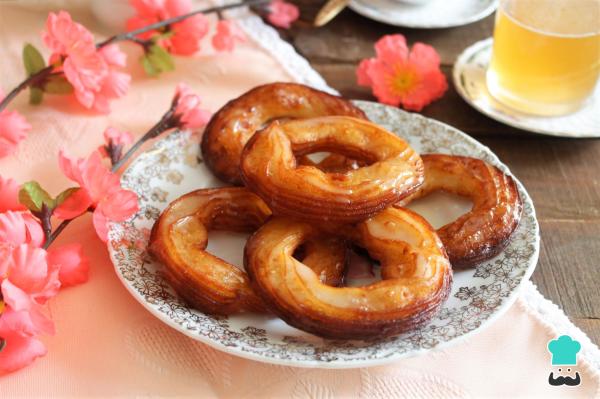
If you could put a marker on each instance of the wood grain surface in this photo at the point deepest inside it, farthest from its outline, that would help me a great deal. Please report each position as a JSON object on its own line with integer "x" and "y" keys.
{"x": 562, "y": 175}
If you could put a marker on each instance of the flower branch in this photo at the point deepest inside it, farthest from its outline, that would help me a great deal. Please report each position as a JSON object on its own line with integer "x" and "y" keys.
{"x": 34, "y": 78}
{"x": 33, "y": 268}
{"x": 26, "y": 233}
{"x": 93, "y": 71}
{"x": 131, "y": 35}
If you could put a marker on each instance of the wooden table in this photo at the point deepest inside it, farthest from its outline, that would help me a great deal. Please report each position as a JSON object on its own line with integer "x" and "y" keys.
{"x": 562, "y": 175}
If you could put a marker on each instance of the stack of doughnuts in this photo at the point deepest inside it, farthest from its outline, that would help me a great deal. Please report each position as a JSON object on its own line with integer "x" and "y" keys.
{"x": 305, "y": 216}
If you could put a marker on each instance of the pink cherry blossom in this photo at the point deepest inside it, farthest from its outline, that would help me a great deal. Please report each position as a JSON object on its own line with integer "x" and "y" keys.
{"x": 18, "y": 228}
{"x": 116, "y": 83}
{"x": 228, "y": 33}
{"x": 91, "y": 72}
{"x": 13, "y": 129}
{"x": 117, "y": 137}
{"x": 188, "y": 111}
{"x": 185, "y": 35}
{"x": 114, "y": 137}
{"x": 83, "y": 67}
{"x": 28, "y": 283}
{"x": 21, "y": 347}
{"x": 63, "y": 36}
{"x": 100, "y": 190}
{"x": 73, "y": 264}
{"x": 282, "y": 14}
{"x": 398, "y": 75}
{"x": 9, "y": 196}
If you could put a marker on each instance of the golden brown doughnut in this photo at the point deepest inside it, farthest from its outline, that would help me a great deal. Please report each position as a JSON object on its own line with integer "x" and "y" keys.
{"x": 270, "y": 169}
{"x": 415, "y": 270}
{"x": 232, "y": 126}
{"x": 484, "y": 231}
{"x": 180, "y": 236}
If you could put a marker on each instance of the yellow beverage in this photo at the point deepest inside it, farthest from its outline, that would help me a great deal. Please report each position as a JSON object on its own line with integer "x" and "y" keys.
{"x": 546, "y": 54}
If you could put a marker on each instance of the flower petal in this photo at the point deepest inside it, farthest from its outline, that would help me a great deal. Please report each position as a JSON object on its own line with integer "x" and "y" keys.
{"x": 13, "y": 229}
{"x": 19, "y": 351}
{"x": 424, "y": 57}
{"x": 392, "y": 49}
{"x": 282, "y": 14}
{"x": 70, "y": 167}
{"x": 76, "y": 204}
{"x": 196, "y": 118}
{"x": 363, "y": 72}
{"x": 28, "y": 322}
{"x": 147, "y": 8}
{"x": 432, "y": 86}
{"x": 18, "y": 228}
{"x": 72, "y": 263}
{"x": 35, "y": 233}
{"x": 381, "y": 75}
{"x": 120, "y": 205}
{"x": 228, "y": 33}
{"x": 177, "y": 7}
{"x": 9, "y": 195}
{"x": 100, "y": 224}
{"x": 117, "y": 137}
{"x": 62, "y": 35}
{"x": 28, "y": 270}
{"x": 113, "y": 55}
{"x": 115, "y": 85}
{"x": 187, "y": 35}
{"x": 15, "y": 297}
{"x": 13, "y": 129}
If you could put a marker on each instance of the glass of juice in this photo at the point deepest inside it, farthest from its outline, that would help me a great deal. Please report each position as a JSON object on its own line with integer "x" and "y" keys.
{"x": 546, "y": 55}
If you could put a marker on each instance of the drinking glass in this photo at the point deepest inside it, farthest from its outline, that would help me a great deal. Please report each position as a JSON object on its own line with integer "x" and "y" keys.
{"x": 546, "y": 55}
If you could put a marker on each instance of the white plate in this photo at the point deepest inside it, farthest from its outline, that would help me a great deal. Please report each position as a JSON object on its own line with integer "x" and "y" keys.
{"x": 470, "y": 81}
{"x": 432, "y": 14}
{"x": 478, "y": 296}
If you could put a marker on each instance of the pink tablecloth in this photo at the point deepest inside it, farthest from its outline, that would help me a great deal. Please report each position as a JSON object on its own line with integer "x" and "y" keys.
{"x": 108, "y": 345}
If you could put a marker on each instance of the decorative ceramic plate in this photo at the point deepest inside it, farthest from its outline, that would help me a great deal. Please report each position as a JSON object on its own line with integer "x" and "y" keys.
{"x": 470, "y": 81}
{"x": 172, "y": 167}
{"x": 425, "y": 14}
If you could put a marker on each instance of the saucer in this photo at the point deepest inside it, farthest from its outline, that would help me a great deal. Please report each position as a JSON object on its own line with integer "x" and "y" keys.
{"x": 431, "y": 14}
{"x": 470, "y": 81}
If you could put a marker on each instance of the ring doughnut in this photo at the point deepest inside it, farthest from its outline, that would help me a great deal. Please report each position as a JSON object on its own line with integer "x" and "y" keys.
{"x": 233, "y": 125}
{"x": 415, "y": 270}
{"x": 180, "y": 236}
{"x": 269, "y": 168}
{"x": 483, "y": 232}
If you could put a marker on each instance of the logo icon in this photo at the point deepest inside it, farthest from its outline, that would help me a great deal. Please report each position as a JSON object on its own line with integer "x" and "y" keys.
{"x": 564, "y": 351}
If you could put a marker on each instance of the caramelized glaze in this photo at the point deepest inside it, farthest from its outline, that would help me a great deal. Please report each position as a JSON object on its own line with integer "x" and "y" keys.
{"x": 232, "y": 126}
{"x": 484, "y": 231}
{"x": 180, "y": 236}
{"x": 270, "y": 169}
{"x": 415, "y": 270}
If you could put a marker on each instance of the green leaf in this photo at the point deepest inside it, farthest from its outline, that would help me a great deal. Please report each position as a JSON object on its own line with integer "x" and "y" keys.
{"x": 64, "y": 195}
{"x": 35, "y": 95}
{"x": 32, "y": 59}
{"x": 58, "y": 84}
{"x": 160, "y": 59}
{"x": 33, "y": 196}
{"x": 148, "y": 67}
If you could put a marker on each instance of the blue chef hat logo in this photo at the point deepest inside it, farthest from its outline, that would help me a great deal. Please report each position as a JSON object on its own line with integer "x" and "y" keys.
{"x": 564, "y": 351}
